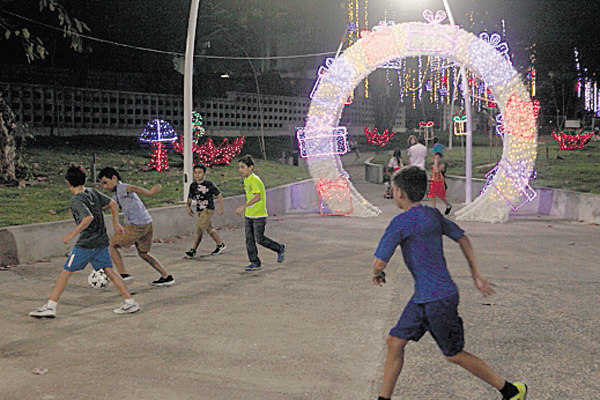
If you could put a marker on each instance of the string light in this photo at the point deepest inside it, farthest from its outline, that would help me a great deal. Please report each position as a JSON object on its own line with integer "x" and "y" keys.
{"x": 380, "y": 139}
{"x": 158, "y": 132}
{"x": 323, "y": 141}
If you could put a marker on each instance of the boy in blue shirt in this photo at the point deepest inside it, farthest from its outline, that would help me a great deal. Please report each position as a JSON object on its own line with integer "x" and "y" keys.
{"x": 434, "y": 305}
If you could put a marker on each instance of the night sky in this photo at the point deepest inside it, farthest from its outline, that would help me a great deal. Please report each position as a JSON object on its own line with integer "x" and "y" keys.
{"x": 554, "y": 26}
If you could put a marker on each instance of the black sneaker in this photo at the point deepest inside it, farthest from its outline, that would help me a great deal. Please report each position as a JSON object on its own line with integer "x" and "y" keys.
{"x": 219, "y": 249}
{"x": 191, "y": 253}
{"x": 448, "y": 209}
{"x": 126, "y": 277}
{"x": 168, "y": 281}
{"x": 281, "y": 254}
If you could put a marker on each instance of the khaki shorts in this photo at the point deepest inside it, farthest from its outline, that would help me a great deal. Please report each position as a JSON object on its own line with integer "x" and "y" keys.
{"x": 204, "y": 221}
{"x": 140, "y": 235}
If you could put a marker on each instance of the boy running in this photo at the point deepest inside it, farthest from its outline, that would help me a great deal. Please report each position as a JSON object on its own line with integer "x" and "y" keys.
{"x": 138, "y": 230}
{"x": 255, "y": 211}
{"x": 434, "y": 305}
{"x": 204, "y": 193}
{"x": 92, "y": 245}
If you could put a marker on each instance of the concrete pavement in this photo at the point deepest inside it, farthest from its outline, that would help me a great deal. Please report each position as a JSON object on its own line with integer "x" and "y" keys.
{"x": 313, "y": 327}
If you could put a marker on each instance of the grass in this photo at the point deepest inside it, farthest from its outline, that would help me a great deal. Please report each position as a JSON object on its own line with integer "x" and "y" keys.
{"x": 576, "y": 170}
{"x": 46, "y": 197}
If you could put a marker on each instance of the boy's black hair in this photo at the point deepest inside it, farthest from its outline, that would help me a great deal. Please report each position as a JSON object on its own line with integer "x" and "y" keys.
{"x": 421, "y": 140}
{"x": 201, "y": 166}
{"x": 75, "y": 175}
{"x": 247, "y": 159}
{"x": 437, "y": 153}
{"x": 108, "y": 172}
{"x": 435, "y": 140}
{"x": 413, "y": 181}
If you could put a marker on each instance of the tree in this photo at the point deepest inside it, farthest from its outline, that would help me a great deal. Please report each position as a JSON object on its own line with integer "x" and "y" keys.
{"x": 33, "y": 46}
{"x": 11, "y": 140}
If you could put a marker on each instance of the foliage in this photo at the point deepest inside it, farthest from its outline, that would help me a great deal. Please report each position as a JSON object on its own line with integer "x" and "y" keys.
{"x": 33, "y": 45}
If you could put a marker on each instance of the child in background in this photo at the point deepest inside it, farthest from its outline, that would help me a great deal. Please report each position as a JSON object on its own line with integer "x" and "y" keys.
{"x": 255, "y": 213}
{"x": 139, "y": 229}
{"x": 393, "y": 165}
{"x": 92, "y": 245}
{"x": 204, "y": 192}
{"x": 419, "y": 232}
{"x": 437, "y": 147}
{"x": 437, "y": 185}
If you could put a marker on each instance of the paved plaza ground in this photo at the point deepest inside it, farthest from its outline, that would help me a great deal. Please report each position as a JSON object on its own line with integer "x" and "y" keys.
{"x": 313, "y": 327}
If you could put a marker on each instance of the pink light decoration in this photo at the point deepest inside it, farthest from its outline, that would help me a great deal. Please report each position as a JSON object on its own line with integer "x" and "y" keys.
{"x": 336, "y": 191}
{"x": 426, "y": 124}
{"x": 521, "y": 116}
{"x": 378, "y": 138}
{"x": 572, "y": 140}
{"x": 519, "y": 176}
{"x": 439, "y": 16}
{"x": 379, "y": 45}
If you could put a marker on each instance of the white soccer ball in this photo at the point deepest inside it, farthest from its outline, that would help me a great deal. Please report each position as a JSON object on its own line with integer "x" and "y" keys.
{"x": 97, "y": 279}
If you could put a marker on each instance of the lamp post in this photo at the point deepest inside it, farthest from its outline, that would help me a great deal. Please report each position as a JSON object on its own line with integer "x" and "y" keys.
{"x": 469, "y": 131}
{"x": 188, "y": 97}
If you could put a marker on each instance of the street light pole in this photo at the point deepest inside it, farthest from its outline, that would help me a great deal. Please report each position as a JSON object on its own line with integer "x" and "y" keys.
{"x": 466, "y": 95}
{"x": 188, "y": 97}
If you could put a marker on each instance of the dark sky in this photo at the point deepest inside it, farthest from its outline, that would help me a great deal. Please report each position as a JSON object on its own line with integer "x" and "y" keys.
{"x": 555, "y": 26}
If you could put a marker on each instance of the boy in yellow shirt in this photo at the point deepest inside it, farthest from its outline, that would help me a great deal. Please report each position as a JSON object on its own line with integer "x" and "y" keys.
{"x": 255, "y": 213}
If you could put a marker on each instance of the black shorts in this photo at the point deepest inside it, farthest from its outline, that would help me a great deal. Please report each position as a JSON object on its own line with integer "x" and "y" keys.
{"x": 440, "y": 318}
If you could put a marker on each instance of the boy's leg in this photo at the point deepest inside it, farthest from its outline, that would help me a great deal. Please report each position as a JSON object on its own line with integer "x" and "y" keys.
{"x": 215, "y": 236}
{"x": 393, "y": 365}
{"x": 477, "y": 367}
{"x": 251, "y": 248}
{"x": 197, "y": 239}
{"x": 116, "y": 258}
{"x": 259, "y": 235}
{"x": 118, "y": 282}
{"x": 154, "y": 263}
{"x": 60, "y": 285}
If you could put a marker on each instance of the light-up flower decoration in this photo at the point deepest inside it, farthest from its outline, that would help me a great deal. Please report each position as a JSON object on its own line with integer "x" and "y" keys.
{"x": 572, "y": 140}
{"x": 380, "y": 139}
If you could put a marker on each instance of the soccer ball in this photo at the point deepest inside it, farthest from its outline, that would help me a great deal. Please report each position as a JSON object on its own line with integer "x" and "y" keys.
{"x": 97, "y": 279}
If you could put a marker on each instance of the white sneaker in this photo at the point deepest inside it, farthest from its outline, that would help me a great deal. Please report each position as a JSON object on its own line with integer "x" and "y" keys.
{"x": 127, "y": 308}
{"x": 43, "y": 312}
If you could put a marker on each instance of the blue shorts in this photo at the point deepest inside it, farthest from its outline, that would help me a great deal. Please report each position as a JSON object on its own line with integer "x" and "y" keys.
{"x": 439, "y": 317}
{"x": 78, "y": 259}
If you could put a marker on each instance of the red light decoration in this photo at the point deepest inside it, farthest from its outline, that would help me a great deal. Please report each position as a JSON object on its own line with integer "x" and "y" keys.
{"x": 159, "y": 160}
{"x": 336, "y": 195}
{"x": 209, "y": 154}
{"x": 572, "y": 140}
{"x": 378, "y": 138}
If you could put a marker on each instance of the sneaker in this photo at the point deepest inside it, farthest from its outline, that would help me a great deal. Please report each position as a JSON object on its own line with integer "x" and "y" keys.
{"x": 127, "y": 308}
{"x": 522, "y": 391}
{"x": 253, "y": 267}
{"x": 164, "y": 281}
{"x": 191, "y": 253}
{"x": 44, "y": 312}
{"x": 219, "y": 249}
{"x": 126, "y": 277}
{"x": 448, "y": 209}
{"x": 281, "y": 254}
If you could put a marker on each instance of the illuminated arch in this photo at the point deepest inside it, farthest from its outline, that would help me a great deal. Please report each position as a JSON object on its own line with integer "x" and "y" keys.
{"x": 509, "y": 184}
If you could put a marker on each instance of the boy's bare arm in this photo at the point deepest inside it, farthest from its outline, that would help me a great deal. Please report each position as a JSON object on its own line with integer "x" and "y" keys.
{"x": 253, "y": 200}
{"x": 85, "y": 222}
{"x": 139, "y": 190}
{"x": 114, "y": 210}
{"x": 188, "y": 207}
{"x": 220, "y": 201}
{"x": 378, "y": 277}
{"x": 485, "y": 287}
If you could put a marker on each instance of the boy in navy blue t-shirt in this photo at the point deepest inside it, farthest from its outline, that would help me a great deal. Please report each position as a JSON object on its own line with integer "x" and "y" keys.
{"x": 434, "y": 305}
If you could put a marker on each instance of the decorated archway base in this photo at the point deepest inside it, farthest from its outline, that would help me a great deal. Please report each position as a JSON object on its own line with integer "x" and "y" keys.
{"x": 507, "y": 187}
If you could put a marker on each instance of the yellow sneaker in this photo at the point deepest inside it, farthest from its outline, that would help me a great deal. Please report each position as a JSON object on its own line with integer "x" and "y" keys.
{"x": 522, "y": 391}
